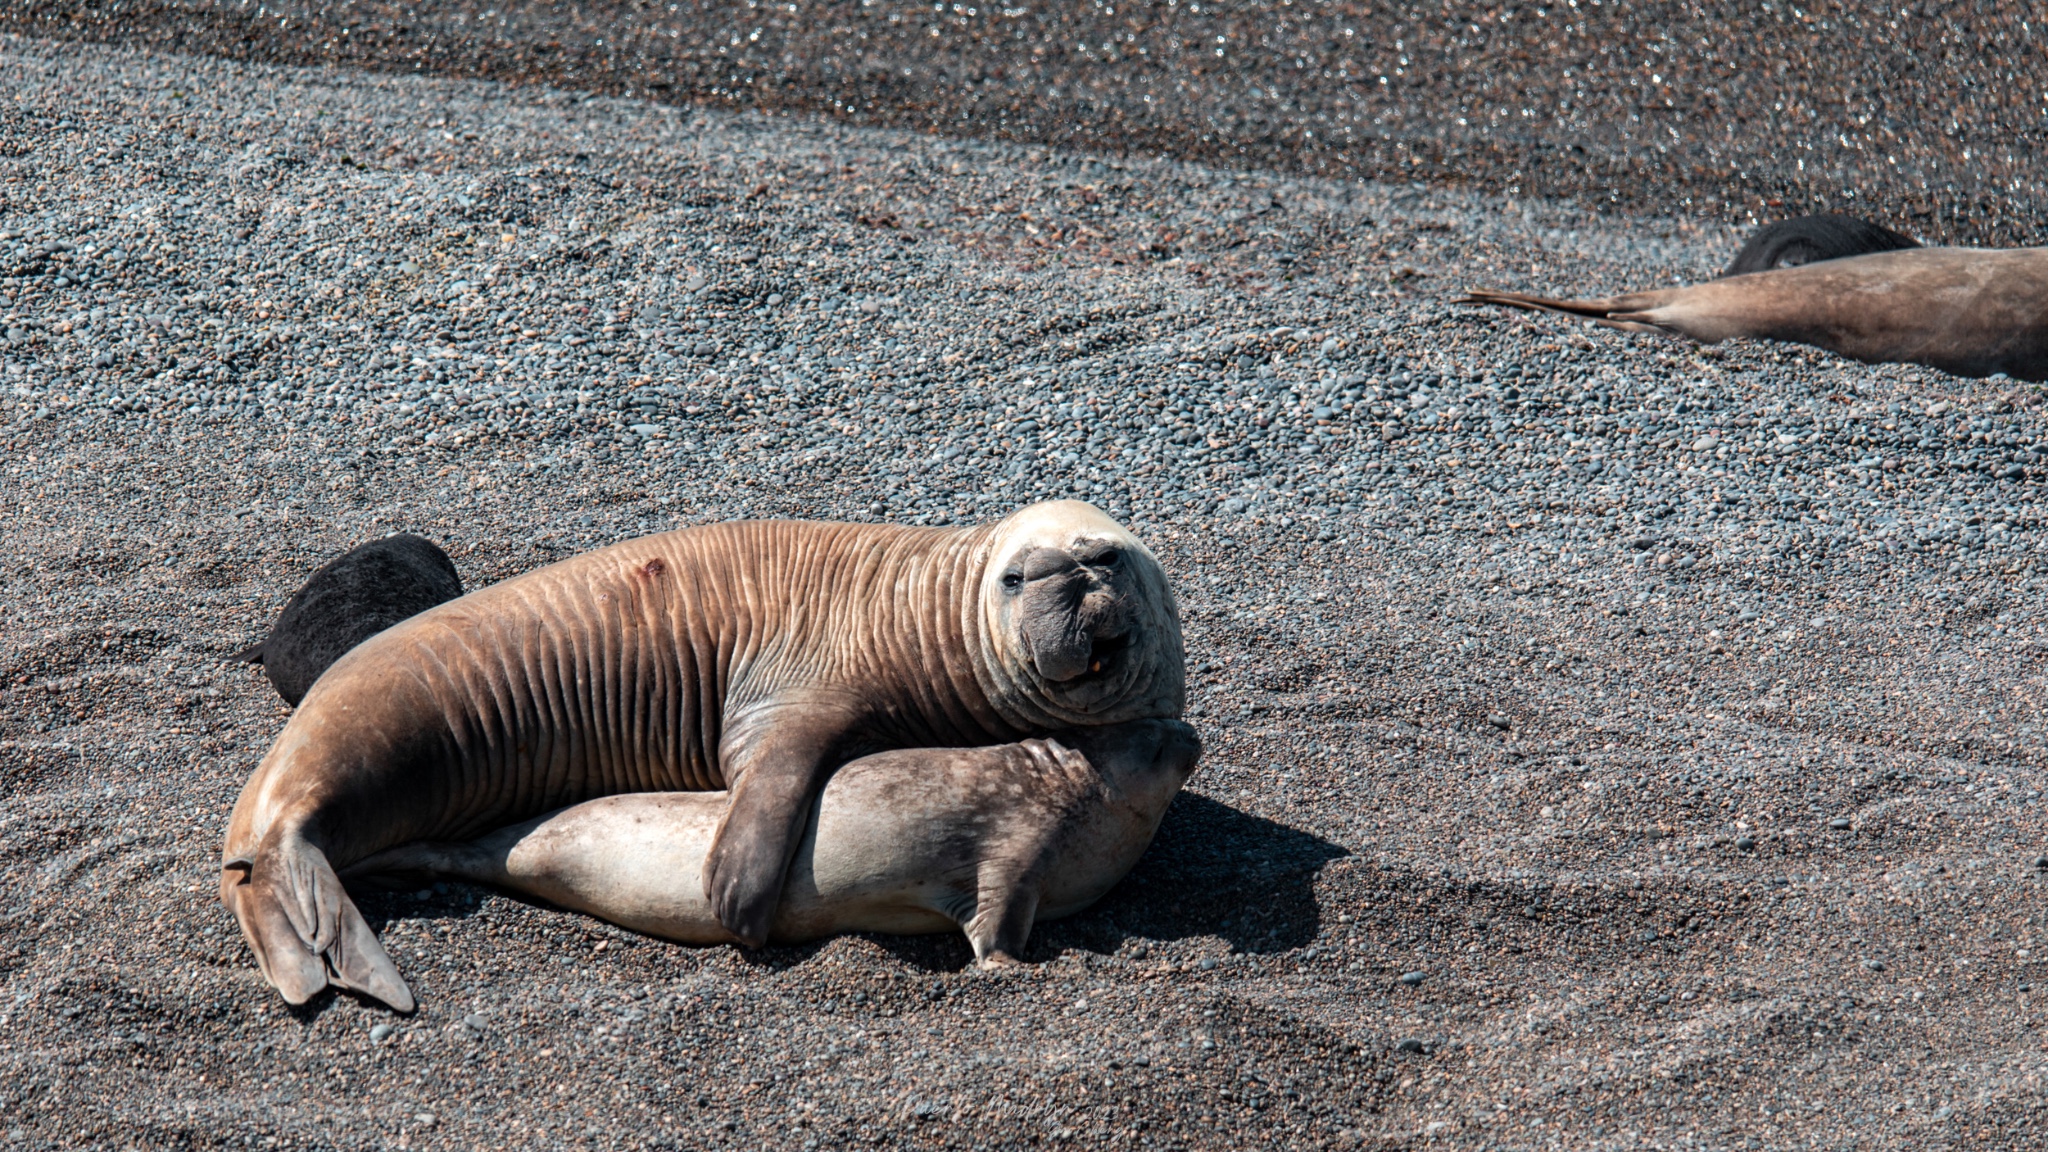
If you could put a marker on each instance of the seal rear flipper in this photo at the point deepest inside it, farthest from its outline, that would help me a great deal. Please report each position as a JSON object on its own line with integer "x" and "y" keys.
{"x": 306, "y": 932}
{"x": 253, "y": 654}
{"x": 1609, "y": 312}
{"x": 360, "y": 964}
{"x": 284, "y": 959}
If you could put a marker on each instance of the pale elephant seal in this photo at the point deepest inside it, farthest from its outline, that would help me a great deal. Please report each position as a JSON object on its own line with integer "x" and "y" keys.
{"x": 987, "y": 840}
{"x": 348, "y": 600}
{"x": 1966, "y": 311}
{"x": 754, "y": 656}
{"x": 1810, "y": 239}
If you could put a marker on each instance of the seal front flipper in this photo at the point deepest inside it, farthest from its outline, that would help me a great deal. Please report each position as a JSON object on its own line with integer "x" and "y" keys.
{"x": 1002, "y": 919}
{"x": 777, "y": 758}
{"x": 305, "y": 931}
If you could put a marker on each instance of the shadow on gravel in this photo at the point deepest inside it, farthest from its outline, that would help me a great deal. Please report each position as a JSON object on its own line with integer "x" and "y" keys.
{"x": 1211, "y": 871}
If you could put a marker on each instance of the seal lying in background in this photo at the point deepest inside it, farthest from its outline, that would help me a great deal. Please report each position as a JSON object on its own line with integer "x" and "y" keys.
{"x": 754, "y": 657}
{"x": 1810, "y": 239}
{"x": 348, "y": 600}
{"x": 988, "y": 840}
{"x": 1966, "y": 311}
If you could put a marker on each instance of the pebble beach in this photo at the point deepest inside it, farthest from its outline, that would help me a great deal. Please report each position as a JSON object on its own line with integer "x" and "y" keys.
{"x": 1612, "y": 743}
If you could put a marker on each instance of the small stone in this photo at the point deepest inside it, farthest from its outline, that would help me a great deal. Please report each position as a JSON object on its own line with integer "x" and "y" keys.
{"x": 381, "y": 1032}
{"x": 1705, "y": 444}
{"x": 473, "y": 1022}
{"x": 1874, "y": 965}
{"x": 1207, "y": 964}
{"x": 1412, "y": 1044}
{"x": 1413, "y": 977}
{"x": 1500, "y": 721}
{"x": 1745, "y": 843}
{"x": 1839, "y": 823}
{"x": 426, "y": 1119}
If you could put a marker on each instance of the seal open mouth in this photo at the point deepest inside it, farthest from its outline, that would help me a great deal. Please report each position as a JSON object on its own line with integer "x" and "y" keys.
{"x": 1103, "y": 652}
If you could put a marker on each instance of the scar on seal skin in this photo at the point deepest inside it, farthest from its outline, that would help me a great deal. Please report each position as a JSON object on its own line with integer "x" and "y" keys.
{"x": 988, "y": 840}
{"x": 754, "y": 660}
{"x": 348, "y": 600}
{"x": 1966, "y": 311}
{"x": 1811, "y": 239}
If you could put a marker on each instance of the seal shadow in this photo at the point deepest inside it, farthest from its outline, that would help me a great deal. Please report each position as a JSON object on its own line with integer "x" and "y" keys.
{"x": 1212, "y": 870}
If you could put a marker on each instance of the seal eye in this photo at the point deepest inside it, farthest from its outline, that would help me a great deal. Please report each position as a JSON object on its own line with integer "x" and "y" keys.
{"x": 1107, "y": 558}
{"x": 1012, "y": 581}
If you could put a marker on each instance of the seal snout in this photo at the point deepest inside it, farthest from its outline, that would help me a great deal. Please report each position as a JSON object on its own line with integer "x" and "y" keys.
{"x": 1074, "y": 613}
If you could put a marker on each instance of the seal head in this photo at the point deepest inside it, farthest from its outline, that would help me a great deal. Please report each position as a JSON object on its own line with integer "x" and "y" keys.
{"x": 1080, "y": 622}
{"x": 348, "y": 600}
{"x": 1811, "y": 239}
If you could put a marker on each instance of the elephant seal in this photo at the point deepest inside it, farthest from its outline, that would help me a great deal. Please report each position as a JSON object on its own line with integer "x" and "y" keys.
{"x": 754, "y": 657}
{"x": 1965, "y": 311}
{"x": 348, "y": 600}
{"x": 1810, "y": 239}
{"x": 988, "y": 840}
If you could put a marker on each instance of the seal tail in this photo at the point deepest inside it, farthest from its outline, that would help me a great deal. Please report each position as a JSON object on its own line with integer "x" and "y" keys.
{"x": 305, "y": 931}
{"x": 1623, "y": 312}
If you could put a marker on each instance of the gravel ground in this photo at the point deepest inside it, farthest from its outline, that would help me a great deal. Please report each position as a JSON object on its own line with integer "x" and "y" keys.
{"x": 1612, "y": 744}
{"x": 1932, "y": 113}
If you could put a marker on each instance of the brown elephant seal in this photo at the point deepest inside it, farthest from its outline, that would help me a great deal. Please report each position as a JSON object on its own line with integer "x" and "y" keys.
{"x": 754, "y": 657}
{"x": 1965, "y": 311}
{"x": 988, "y": 840}
{"x": 348, "y": 600}
{"x": 1810, "y": 239}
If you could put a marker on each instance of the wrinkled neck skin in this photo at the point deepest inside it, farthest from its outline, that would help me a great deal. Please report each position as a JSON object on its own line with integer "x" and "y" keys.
{"x": 878, "y": 633}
